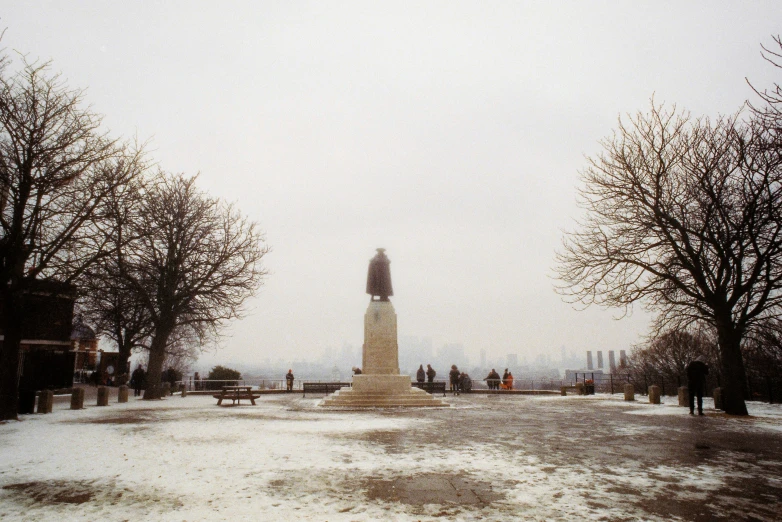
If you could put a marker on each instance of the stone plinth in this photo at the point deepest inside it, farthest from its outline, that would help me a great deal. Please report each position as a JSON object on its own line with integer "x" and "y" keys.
{"x": 654, "y": 394}
{"x": 717, "y": 395}
{"x": 45, "y": 401}
{"x": 380, "y": 385}
{"x": 77, "y": 399}
{"x": 103, "y": 396}
{"x": 380, "y": 351}
{"x": 684, "y": 396}
{"x": 629, "y": 392}
{"x": 122, "y": 394}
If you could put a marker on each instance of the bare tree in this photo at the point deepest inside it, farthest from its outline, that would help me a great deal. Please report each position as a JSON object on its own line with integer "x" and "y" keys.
{"x": 684, "y": 216}
{"x": 195, "y": 262}
{"x": 771, "y": 109}
{"x": 106, "y": 299}
{"x": 671, "y": 352}
{"x": 56, "y": 170}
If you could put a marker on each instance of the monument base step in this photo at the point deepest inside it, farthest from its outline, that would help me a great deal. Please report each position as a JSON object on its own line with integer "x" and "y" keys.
{"x": 348, "y": 398}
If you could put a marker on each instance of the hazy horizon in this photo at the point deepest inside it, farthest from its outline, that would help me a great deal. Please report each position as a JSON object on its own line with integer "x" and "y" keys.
{"x": 449, "y": 133}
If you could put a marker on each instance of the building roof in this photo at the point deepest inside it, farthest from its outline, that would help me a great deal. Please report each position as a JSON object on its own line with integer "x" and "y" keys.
{"x": 81, "y": 331}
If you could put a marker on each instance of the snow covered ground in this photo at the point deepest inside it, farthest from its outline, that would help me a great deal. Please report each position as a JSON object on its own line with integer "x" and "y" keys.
{"x": 485, "y": 458}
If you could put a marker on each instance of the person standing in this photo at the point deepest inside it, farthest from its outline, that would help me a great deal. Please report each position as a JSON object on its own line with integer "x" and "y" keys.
{"x": 137, "y": 380}
{"x": 697, "y": 371}
{"x": 507, "y": 381}
{"x": 493, "y": 380}
{"x": 420, "y": 375}
{"x": 289, "y": 380}
{"x": 453, "y": 376}
{"x": 430, "y": 373}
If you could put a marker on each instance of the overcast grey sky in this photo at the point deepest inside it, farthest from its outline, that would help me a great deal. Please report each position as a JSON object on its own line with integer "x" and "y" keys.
{"x": 450, "y": 133}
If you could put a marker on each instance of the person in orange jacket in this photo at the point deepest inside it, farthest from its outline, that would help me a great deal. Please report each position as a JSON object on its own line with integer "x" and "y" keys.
{"x": 507, "y": 384}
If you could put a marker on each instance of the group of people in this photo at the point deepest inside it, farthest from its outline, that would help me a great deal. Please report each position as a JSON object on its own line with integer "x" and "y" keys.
{"x": 495, "y": 382}
{"x": 428, "y": 374}
{"x": 460, "y": 381}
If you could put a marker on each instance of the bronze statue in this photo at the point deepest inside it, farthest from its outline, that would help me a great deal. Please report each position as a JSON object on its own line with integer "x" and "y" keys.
{"x": 379, "y": 276}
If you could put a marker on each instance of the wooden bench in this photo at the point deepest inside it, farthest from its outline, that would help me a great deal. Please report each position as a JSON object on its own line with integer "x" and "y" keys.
{"x": 236, "y": 394}
{"x": 431, "y": 387}
{"x": 323, "y": 387}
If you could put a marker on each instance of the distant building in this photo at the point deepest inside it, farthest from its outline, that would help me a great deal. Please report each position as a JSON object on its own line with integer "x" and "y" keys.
{"x": 47, "y": 360}
{"x": 452, "y": 353}
{"x": 570, "y": 375}
{"x": 84, "y": 343}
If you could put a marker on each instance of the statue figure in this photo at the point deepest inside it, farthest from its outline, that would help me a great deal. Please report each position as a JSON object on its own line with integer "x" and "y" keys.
{"x": 379, "y": 276}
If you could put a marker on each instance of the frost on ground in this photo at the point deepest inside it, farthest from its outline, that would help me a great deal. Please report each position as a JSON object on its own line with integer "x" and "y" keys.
{"x": 486, "y": 458}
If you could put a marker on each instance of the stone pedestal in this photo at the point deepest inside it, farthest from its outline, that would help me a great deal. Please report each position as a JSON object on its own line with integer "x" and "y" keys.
{"x": 717, "y": 394}
{"x": 629, "y": 392}
{"x": 103, "y": 396}
{"x": 122, "y": 394}
{"x": 654, "y": 394}
{"x": 77, "y": 399}
{"x": 380, "y": 385}
{"x": 684, "y": 396}
{"x": 45, "y": 401}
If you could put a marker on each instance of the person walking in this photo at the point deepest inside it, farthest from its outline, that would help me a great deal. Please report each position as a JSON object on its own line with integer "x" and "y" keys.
{"x": 697, "y": 371}
{"x": 420, "y": 375}
{"x": 454, "y": 378}
{"x": 289, "y": 380}
{"x": 430, "y": 373}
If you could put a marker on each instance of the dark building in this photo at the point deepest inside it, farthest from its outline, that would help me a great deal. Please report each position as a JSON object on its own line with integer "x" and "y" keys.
{"x": 46, "y": 361}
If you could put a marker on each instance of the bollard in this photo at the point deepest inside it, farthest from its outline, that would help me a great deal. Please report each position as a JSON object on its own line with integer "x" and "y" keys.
{"x": 654, "y": 394}
{"x": 563, "y": 391}
{"x": 717, "y": 394}
{"x": 166, "y": 389}
{"x": 103, "y": 396}
{"x": 122, "y": 394}
{"x": 579, "y": 388}
{"x": 629, "y": 392}
{"x": 684, "y": 396}
{"x": 45, "y": 401}
{"x": 184, "y": 392}
{"x": 77, "y": 399}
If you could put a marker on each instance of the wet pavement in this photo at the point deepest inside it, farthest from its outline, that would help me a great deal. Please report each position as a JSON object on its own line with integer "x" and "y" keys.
{"x": 487, "y": 457}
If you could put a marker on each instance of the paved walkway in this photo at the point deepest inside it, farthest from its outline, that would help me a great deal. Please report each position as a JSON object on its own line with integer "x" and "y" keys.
{"x": 485, "y": 458}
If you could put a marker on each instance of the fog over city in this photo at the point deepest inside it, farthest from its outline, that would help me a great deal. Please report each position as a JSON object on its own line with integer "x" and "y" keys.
{"x": 449, "y": 133}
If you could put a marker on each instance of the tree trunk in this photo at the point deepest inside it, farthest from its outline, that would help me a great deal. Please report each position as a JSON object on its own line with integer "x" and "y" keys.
{"x": 157, "y": 355}
{"x": 734, "y": 378}
{"x": 10, "y": 356}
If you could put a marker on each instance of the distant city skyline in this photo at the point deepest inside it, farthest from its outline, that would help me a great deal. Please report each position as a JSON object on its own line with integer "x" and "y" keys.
{"x": 451, "y": 134}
